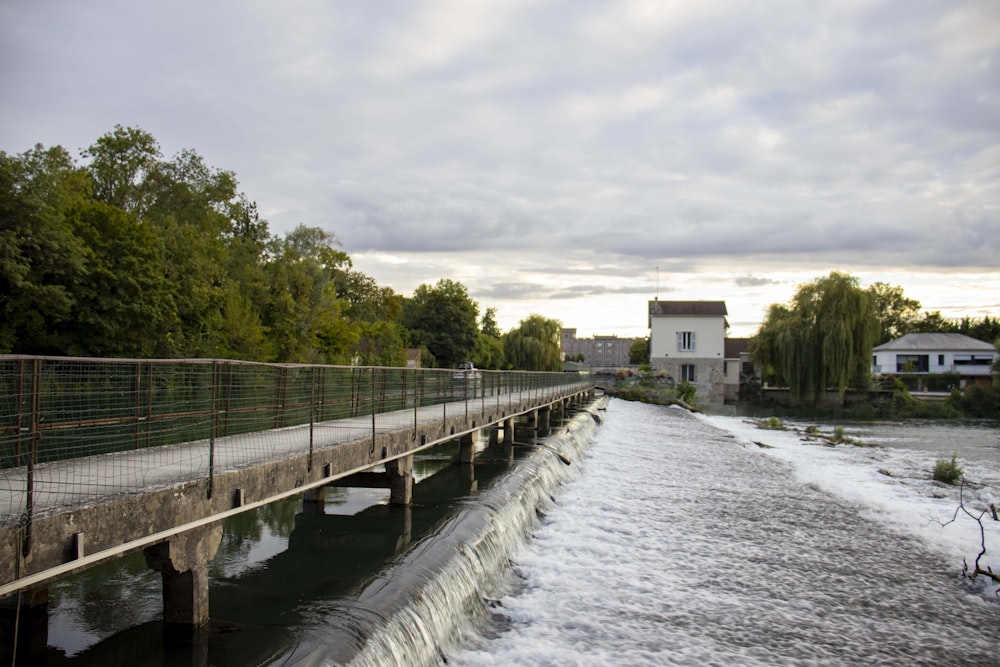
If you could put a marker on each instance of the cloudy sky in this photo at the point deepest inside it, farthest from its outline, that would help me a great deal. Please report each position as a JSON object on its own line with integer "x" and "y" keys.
{"x": 574, "y": 159}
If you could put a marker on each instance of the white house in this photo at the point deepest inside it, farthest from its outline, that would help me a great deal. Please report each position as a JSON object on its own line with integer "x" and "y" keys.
{"x": 934, "y": 353}
{"x": 687, "y": 341}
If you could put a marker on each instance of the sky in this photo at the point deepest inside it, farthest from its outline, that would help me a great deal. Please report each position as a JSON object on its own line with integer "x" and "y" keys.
{"x": 573, "y": 159}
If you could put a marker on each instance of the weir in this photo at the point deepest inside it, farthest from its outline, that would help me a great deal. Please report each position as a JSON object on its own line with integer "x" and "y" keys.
{"x": 64, "y": 509}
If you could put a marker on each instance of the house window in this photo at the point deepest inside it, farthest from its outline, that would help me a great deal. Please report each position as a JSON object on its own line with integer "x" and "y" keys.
{"x": 687, "y": 372}
{"x": 912, "y": 363}
{"x": 685, "y": 341}
{"x": 972, "y": 360}
{"x": 940, "y": 360}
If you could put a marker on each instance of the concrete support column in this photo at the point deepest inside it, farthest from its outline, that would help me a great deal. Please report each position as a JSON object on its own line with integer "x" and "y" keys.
{"x": 508, "y": 431}
{"x": 467, "y": 448}
{"x": 24, "y": 622}
{"x": 543, "y": 421}
{"x": 314, "y": 500}
{"x": 182, "y": 562}
{"x": 400, "y": 473}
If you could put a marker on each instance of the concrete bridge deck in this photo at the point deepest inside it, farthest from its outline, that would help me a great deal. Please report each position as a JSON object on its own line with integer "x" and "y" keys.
{"x": 70, "y": 514}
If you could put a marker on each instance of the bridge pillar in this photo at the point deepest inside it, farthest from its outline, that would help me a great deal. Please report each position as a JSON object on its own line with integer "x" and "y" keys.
{"x": 467, "y": 448}
{"x": 182, "y": 562}
{"x": 508, "y": 431}
{"x": 400, "y": 473}
{"x": 314, "y": 500}
{"x": 542, "y": 420}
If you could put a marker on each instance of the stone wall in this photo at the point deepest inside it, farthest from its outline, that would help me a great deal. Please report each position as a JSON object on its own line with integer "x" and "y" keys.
{"x": 709, "y": 375}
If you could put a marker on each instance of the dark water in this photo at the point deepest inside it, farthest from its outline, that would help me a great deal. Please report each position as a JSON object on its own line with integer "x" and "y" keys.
{"x": 310, "y": 585}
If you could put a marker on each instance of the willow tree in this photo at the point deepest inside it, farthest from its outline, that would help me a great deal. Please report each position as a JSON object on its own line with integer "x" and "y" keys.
{"x": 822, "y": 340}
{"x": 534, "y": 345}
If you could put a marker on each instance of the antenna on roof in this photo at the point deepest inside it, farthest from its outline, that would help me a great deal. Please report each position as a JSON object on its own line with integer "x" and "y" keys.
{"x": 657, "y": 284}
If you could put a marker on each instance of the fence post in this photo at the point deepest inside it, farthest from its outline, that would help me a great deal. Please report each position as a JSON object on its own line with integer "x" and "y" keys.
{"x": 138, "y": 402}
{"x": 312, "y": 413}
{"x": 417, "y": 383}
{"x": 214, "y": 427}
{"x": 372, "y": 372}
{"x": 35, "y": 440}
{"x": 149, "y": 401}
{"x": 20, "y": 412}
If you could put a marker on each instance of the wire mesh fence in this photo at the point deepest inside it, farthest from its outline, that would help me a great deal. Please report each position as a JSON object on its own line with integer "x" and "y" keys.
{"x": 73, "y": 430}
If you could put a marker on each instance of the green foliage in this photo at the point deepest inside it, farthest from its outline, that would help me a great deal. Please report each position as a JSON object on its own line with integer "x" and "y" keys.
{"x": 443, "y": 319}
{"x": 896, "y": 314}
{"x": 488, "y": 353}
{"x": 488, "y": 324}
{"x": 824, "y": 339}
{"x": 135, "y": 255}
{"x": 41, "y": 257}
{"x": 772, "y": 424}
{"x": 977, "y": 401}
{"x": 639, "y": 352}
{"x": 686, "y": 392}
{"x": 948, "y": 472}
{"x": 534, "y": 345}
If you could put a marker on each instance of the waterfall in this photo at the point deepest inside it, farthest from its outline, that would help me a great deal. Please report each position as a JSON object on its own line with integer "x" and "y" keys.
{"x": 440, "y": 592}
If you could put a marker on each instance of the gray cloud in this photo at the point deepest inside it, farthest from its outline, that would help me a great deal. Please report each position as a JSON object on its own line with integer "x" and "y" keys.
{"x": 590, "y": 140}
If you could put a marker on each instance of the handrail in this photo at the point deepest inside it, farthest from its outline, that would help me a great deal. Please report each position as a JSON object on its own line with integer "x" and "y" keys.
{"x": 55, "y": 409}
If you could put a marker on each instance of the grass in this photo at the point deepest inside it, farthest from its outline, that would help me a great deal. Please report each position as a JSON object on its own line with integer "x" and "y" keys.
{"x": 948, "y": 472}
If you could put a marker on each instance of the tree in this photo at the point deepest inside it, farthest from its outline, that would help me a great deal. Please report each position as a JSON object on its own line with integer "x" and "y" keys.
{"x": 488, "y": 353}
{"x": 122, "y": 163}
{"x": 534, "y": 345}
{"x": 41, "y": 257}
{"x": 122, "y": 305}
{"x": 639, "y": 352}
{"x": 932, "y": 322}
{"x": 489, "y": 345}
{"x": 823, "y": 339}
{"x": 896, "y": 313}
{"x": 442, "y": 318}
{"x": 302, "y": 312}
{"x": 488, "y": 324}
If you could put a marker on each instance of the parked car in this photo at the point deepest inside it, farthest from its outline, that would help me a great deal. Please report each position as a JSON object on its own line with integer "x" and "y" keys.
{"x": 466, "y": 371}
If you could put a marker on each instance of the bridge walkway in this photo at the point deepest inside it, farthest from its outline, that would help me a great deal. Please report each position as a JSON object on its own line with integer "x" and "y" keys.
{"x": 65, "y": 515}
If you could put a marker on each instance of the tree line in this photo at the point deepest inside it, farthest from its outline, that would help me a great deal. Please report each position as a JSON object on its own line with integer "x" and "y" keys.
{"x": 823, "y": 338}
{"x": 130, "y": 254}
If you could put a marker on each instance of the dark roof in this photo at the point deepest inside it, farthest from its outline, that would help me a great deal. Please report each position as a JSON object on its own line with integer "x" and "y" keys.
{"x": 687, "y": 308}
{"x": 734, "y": 347}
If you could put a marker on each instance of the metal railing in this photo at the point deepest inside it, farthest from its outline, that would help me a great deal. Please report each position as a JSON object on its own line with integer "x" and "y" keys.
{"x": 57, "y": 409}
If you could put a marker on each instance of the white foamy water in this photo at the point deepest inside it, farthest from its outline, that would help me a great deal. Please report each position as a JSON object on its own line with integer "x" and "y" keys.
{"x": 682, "y": 542}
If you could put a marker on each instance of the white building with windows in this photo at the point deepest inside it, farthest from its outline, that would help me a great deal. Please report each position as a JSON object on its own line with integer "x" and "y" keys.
{"x": 919, "y": 354}
{"x": 687, "y": 341}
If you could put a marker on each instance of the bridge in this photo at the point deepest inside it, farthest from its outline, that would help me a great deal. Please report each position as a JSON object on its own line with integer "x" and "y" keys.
{"x": 102, "y": 457}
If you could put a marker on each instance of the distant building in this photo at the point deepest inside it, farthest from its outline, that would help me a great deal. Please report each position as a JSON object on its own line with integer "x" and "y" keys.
{"x": 738, "y": 362}
{"x": 687, "y": 341}
{"x": 919, "y": 354}
{"x": 599, "y": 351}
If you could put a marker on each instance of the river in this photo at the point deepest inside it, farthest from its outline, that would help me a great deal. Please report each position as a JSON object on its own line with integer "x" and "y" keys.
{"x": 671, "y": 539}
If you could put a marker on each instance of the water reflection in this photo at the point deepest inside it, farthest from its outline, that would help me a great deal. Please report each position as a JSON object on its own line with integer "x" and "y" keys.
{"x": 274, "y": 567}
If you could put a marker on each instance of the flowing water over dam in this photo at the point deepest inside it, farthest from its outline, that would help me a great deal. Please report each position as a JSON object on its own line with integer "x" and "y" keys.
{"x": 671, "y": 539}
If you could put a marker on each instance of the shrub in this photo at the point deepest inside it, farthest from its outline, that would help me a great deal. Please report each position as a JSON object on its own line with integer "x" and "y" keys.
{"x": 686, "y": 392}
{"x": 948, "y": 472}
{"x": 772, "y": 424}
